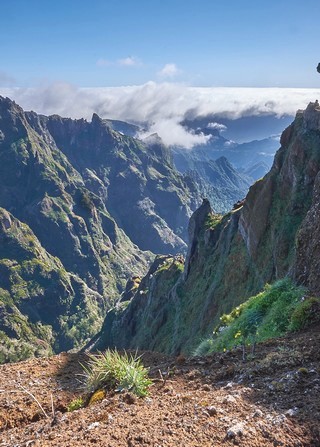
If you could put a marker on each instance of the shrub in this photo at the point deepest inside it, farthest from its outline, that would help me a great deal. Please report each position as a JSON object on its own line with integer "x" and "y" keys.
{"x": 306, "y": 313}
{"x": 115, "y": 371}
{"x": 275, "y": 311}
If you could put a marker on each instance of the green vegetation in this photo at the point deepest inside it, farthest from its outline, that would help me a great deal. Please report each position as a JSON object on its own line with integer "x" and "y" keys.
{"x": 116, "y": 371}
{"x": 213, "y": 220}
{"x": 280, "y": 308}
{"x": 305, "y": 314}
{"x": 86, "y": 201}
{"x": 75, "y": 404}
{"x": 170, "y": 262}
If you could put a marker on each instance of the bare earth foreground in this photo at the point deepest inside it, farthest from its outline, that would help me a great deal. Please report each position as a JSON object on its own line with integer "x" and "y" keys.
{"x": 271, "y": 400}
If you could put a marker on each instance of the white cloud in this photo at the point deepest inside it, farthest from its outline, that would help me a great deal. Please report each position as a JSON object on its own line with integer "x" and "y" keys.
{"x": 217, "y": 126}
{"x": 129, "y": 61}
{"x": 169, "y": 71}
{"x": 173, "y": 134}
{"x": 164, "y": 105}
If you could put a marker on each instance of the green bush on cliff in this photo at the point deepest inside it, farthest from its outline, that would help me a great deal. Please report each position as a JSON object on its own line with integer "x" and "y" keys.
{"x": 306, "y": 313}
{"x": 278, "y": 309}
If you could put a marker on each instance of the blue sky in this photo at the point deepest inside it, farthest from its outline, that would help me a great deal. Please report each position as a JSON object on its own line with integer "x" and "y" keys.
{"x": 237, "y": 43}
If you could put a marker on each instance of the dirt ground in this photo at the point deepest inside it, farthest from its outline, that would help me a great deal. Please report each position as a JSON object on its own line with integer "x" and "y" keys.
{"x": 272, "y": 399}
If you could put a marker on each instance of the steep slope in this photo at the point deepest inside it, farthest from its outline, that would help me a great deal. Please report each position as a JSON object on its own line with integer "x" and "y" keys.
{"x": 231, "y": 258}
{"x": 42, "y": 306}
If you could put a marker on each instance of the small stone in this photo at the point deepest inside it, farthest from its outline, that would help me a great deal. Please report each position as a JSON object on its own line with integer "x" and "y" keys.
{"x": 258, "y": 413}
{"x": 93, "y": 425}
{"x": 211, "y": 410}
{"x": 206, "y": 387}
{"x": 235, "y": 430}
{"x": 291, "y": 412}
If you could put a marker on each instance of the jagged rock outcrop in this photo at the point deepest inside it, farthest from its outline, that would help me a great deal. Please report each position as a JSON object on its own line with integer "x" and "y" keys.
{"x": 311, "y": 116}
{"x": 195, "y": 230}
{"x": 273, "y": 233}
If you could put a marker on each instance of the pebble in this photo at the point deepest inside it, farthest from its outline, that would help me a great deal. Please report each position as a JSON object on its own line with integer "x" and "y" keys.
{"x": 229, "y": 399}
{"x": 211, "y": 410}
{"x": 291, "y": 411}
{"x": 235, "y": 430}
{"x": 93, "y": 425}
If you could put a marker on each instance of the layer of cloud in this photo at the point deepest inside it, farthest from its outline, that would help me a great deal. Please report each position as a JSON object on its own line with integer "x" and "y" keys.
{"x": 163, "y": 105}
{"x": 169, "y": 71}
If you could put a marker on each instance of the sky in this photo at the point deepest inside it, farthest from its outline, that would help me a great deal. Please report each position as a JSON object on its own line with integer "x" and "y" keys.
{"x": 157, "y": 60}
{"x": 234, "y": 43}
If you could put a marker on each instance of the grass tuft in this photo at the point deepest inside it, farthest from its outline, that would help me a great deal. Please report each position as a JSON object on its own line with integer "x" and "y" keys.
{"x": 116, "y": 371}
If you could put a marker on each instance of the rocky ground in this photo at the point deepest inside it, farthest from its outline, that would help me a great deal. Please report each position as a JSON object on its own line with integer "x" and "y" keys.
{"x": 272, "y": 399}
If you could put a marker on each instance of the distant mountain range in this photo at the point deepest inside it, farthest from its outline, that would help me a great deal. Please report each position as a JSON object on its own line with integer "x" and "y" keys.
{"x": 251, "y": 149}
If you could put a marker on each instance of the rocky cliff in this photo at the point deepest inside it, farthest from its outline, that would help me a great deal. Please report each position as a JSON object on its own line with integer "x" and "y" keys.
{"x": 274, "y": 232}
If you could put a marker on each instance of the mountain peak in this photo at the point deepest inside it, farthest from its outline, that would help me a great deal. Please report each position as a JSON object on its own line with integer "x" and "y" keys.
{"x": 96, "y": 119}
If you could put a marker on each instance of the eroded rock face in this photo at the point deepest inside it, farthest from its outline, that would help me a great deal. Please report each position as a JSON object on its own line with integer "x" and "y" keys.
{"x": 276, "y": 205}
{"x": 274, "y": 232}
{"x": 307, "y": 264}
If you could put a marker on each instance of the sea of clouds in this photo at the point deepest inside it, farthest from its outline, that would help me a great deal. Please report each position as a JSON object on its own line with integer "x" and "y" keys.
{"x": 162, "y": 106}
